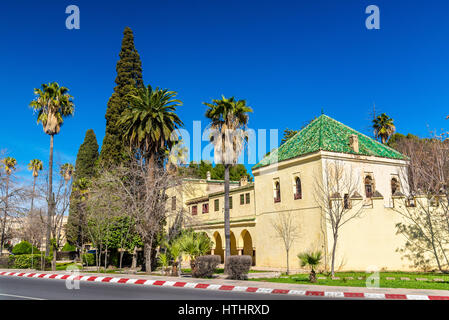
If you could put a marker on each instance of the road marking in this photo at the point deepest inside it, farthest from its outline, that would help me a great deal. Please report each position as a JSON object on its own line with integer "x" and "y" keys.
{"x": 23, "y": 297}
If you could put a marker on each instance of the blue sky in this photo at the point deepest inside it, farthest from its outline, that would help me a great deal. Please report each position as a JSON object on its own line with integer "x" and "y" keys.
{"x": 288, "y": 59}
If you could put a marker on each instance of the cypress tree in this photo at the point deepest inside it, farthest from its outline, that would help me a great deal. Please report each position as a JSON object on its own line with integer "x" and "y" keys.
{"x": 87, "y": 156}
{"x": 85, "y": 167}
{"x": 129, "y": 78}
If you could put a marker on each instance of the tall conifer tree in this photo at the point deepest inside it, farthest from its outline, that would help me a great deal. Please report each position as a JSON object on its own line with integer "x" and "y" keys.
{"x": 85, "y": 166}
{"x": 129, "y": 78}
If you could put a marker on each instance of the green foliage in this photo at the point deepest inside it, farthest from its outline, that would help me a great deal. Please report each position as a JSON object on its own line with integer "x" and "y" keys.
{"x": 52, "y": 104}
{"x": 24, "y": 247}
{"x": 26, "y": 261}
{"x": 195, "y": 244}
{"x": 383, "y": 127}
{"x": 88, "y": 259}
{"x": 310, "y": 259}
{"x": 122, "y": 234}
{"x": 87, "y": 156}
{"x": 288, "y": 133}
{"x": 397, "y": 139}
{"x": 68, "y": 247}
{"x": 150, "y": 120}
{"x": 199, "y": 171}
{"x": 164, "y": 260}
{"x": 128, "y": 80}
{"x": 9, "y": 164}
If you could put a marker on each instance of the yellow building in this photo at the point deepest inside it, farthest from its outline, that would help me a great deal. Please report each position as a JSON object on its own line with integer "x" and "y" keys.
{"x": 290, "y": 181}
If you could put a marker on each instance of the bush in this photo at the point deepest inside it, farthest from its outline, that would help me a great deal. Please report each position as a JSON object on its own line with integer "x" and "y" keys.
{"x": 237, "y": 267}
{"x": 205, "y": 266}
{"x": 88, "y": 259}
{"x": 68, "y": 247}
{"x": 24, "y": 247}
{"x": 27, "y": 261}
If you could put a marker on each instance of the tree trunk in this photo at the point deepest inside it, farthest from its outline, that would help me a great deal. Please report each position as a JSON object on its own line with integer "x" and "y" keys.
{"x": 32, "y": 196}
{"x": 5, "y": 216}
{"x": 121, "y": 258}
{"x": 106, "y": 258}
{"x": 334, "y": 247}
{"x": 147, "y": 247}
{"x": 288, "y": 267}
{"x": 50, "y": 198}
{"x": 227, "y": 222}
{"x": 53, "y": 261}
{"x": 134, "y": 262}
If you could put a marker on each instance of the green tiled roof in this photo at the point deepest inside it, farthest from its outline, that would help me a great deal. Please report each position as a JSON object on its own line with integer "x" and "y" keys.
{"x": 327, "y": 134}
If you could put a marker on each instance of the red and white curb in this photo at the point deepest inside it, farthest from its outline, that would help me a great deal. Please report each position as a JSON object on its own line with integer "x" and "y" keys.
{"x": 220, "y": 287}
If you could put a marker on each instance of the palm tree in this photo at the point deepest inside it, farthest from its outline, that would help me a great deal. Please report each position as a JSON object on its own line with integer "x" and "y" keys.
{"x": 194, "y": 245}
{"x": 150, "y": 121}
{"x": 66, "y": 172}
{"x": 149, "y": 124}
{"x": 34, "y": 166}
{"x": 312, "y": 260}
{"x": 52, "y": 103}
{"x": 9, "y": 165}
{"x": 383, "y": 127}
{"x": 228, "y": 120}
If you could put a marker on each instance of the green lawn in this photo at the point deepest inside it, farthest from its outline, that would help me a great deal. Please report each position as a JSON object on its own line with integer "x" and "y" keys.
{"x": 383, "y": 283}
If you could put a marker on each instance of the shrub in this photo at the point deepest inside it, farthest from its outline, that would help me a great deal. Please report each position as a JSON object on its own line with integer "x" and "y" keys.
{"x": 205, "y": 266}
{"x": 68, "y": 247}
{"x": 237, "y": 267}
{"x": 88, "y": 259}
{"x": 27, "y": 261}
{"x": 24, "y": 247}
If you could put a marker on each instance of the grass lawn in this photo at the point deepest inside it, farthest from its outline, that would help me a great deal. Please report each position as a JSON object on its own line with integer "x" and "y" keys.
{"x": 383, "y": 283}
{"x": 63, "y": 266}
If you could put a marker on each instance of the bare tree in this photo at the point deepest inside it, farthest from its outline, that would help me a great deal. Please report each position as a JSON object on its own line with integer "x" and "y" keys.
{"x": 287, "y": 230}
{"x": 137, "y": 192}
{"x": 424, "y": 206}
{"x": 336, "y": 192}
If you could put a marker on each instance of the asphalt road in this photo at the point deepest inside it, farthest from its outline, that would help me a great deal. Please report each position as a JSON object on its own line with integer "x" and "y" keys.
{"x": 18, "y": 288}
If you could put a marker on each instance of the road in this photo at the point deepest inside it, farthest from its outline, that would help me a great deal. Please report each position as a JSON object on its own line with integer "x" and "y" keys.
{"x": 18, "y": 288}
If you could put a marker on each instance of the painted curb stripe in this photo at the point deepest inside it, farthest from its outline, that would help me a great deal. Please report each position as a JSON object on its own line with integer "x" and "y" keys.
{"x": 226, "y": 287}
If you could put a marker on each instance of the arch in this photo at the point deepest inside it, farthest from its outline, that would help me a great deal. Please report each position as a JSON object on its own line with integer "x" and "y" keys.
{"x": 395, "y": 185}
{"x": 218, "y": 250}
{"x": 246, "y": 242}
{"x": 368, "y": 186}
{"x": 298, "y": 188}
{"x": 277, "y": 192}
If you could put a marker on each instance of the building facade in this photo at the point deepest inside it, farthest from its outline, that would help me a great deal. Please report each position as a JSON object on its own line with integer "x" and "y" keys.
{"x": 324, "y": 166}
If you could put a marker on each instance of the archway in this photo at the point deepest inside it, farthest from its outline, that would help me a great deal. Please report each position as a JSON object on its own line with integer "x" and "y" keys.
{"x": 218, "y": 246}
{"x": 247, "y": 245}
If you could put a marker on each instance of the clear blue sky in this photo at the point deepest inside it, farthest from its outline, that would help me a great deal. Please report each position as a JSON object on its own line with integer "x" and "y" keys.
{"x": 288, "y": 59}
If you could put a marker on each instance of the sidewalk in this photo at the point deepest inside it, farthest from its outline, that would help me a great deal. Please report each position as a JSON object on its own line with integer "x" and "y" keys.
{"x": 237, "y": 285}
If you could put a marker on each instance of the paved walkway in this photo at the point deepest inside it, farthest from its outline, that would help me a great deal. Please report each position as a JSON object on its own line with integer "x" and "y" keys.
{"x": 236, "y": 285}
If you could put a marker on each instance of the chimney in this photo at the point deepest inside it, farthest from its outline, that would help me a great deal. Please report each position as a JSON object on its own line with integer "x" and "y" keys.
{"x": 208, "y": 175}
{"x": 354, "y": 142}
{"x": 243, "y": 181}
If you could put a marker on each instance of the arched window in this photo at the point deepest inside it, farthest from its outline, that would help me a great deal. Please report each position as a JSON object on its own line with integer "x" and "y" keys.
{"x": 277, "y": 192}
{"x": 394, "y": 185}
{"x": 368, "y": 186}
{"x": 298, "y": 191}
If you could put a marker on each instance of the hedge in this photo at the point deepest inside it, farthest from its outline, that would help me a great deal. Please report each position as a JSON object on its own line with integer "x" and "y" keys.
{"x": 205, "y": 266}
{"x": 28, "y": 261}
{"x": 237, "y": 267}
{"x": 88, "y": 259}
{"x": 24, "y": 247}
